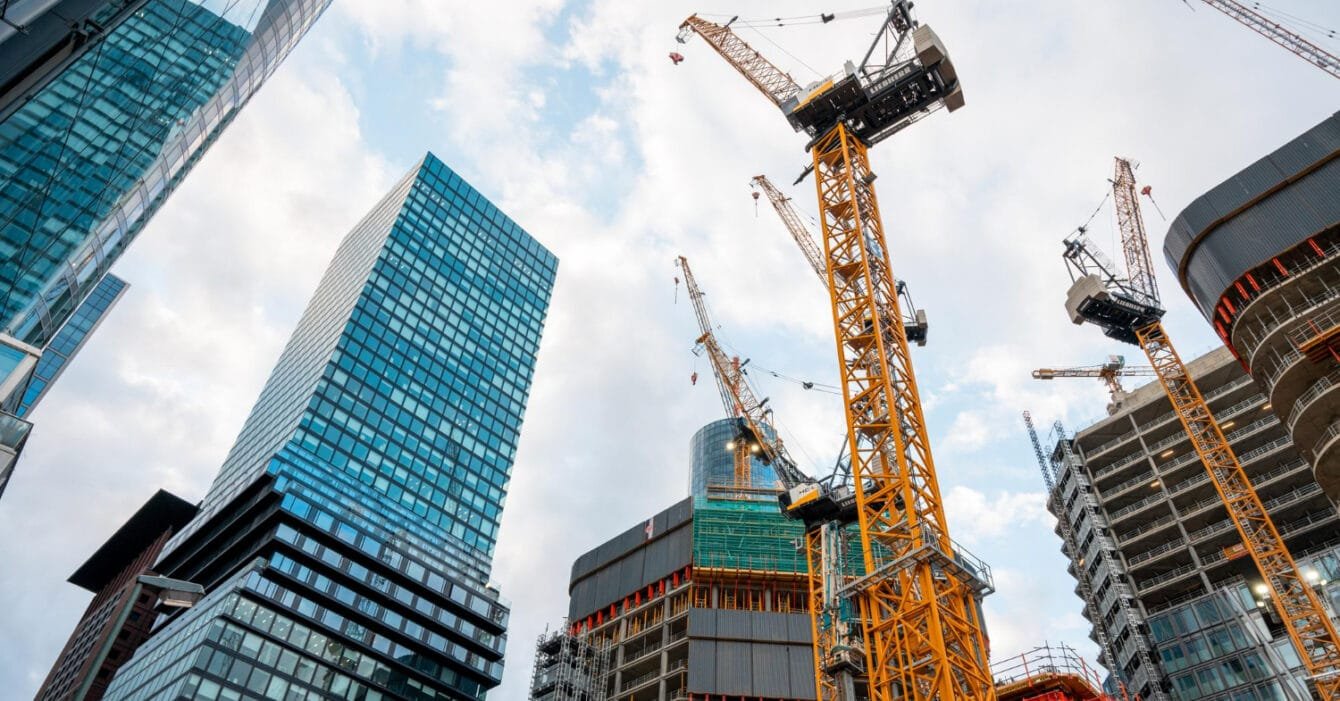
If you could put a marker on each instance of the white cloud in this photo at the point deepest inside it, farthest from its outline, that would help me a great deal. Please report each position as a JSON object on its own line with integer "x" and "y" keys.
{"x": 650, "y": 162}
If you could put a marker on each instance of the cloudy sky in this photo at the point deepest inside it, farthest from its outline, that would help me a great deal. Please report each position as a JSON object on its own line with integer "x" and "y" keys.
{"x": 571, "y": 117}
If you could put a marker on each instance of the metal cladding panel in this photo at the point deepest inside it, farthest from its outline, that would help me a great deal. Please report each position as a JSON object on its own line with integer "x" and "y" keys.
{"x": 769, "y": 627}
{"x": 702, "y": 623}
{"x": 1209, "y": 260}
{"x": 1261, "y": 232}
{"x": 798, "y": 628}
{"x": 631, "y": 577}
{"x": 735, "y": 668}
{"x": 735, "y": 624}
{"x": 702, "y": 666}
{"x": 801, "y": 661}
{"x": 583, "y": 565}
{"x": 680, "y": 513}
{"x": 771, "y": 678}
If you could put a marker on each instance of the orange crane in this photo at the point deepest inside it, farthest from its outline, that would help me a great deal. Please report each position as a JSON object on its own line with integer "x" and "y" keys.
{"x": 1108, "y": 372}
{"x": 823, "y": 506}
{"x": 914, "y": 320}
{"x": 1129, "y": 309}
{"x": 1274, "y": 31}
{"x": 919, "y": 600}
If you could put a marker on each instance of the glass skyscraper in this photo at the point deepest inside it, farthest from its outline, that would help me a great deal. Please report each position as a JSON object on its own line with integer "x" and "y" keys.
{"x": 90, "y": 148}
{"x": 347, "y": 540}
{"x": 70, "y": 339}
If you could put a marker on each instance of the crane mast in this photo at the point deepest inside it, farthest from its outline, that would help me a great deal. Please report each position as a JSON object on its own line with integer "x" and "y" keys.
{"x": 914, "y": 322}
{"x": 919, "y": 599}
{"x": 1296, "y": 44}
{"x": 1072, "y": 545}
{"x": 1127, "y": 311}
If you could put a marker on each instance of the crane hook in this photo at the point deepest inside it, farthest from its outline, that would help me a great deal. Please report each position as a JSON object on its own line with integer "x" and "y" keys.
{"x": 676, "y": 57}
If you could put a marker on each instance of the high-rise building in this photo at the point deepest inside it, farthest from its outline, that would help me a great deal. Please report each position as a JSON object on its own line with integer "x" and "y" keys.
{"x": 347, "y": 541}
{"x": 105, "y": 105}
{"x": 125, "y": 593}
{"x": 1259, "y": 254}
{"x": 1176, "y": 590}
{"x": 92, "y": 145}
{"x": 70, "y": 339}
{"x": 713, "y": 459}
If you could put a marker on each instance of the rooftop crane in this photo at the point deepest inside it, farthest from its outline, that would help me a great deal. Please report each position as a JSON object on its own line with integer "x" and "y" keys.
{"x": 1108, "y": 372}
{"x": 824, "y": 507}
{"x": 1129, "y": 309}
{"x": 914, "y": 320}
{"x": 1082, "y": 577}
{"x": 920, "y": 597}
{"x": 1277, "y": 33}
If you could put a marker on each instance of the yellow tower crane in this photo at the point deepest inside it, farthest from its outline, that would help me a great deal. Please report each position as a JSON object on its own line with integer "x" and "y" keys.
{"x": 919, "y": 600}
{"x": 1129, "y": 310}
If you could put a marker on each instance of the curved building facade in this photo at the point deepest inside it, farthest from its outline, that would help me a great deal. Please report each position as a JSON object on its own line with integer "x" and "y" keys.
{"x": 713, "y": 457}
{"x": 1259, "y": 254}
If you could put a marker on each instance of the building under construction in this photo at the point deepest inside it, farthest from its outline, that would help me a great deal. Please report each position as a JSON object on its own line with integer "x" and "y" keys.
{"x": 706, "y": 600}
{"x": 1259, "y": 254}
{"x": 1175, "y": 590}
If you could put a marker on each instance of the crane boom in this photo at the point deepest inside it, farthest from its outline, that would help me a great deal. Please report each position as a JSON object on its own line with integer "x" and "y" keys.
{"x": 1134, "y": 241}
{"x": 799, "y": 232}
{"x": 1108, "y": 372}
{"x": 773, "y": 82}
{"x": 1273, "y": 31}
{"x": 1098, "y": 297}
{"x": 1082, "y": 577}
{"x": 739, "y": 398}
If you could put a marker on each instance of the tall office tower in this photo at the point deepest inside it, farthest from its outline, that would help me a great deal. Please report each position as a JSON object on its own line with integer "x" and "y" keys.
{"x": 713, "y": 459}
{"x": 105, "y": 105}
{"x": 125, "y": 592}
{"x": 347, "y": 541}
{"x": 1177, "y": 590}
{"x": 91, "y": 148}
{"x": 1259, "y": 254}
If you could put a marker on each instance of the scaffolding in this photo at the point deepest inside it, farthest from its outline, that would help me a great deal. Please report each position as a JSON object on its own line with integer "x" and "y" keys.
{"x": 570, "y": 667}
{"x": 733, "y": 535}
{"x": 1048, "y": 673}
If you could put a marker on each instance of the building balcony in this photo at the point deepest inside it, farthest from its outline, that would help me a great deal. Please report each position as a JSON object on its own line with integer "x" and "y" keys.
{"x": 1155, "y": 554}
{"x": 1326, "y": 460}
{"x": 1144, "y": 530}
{"x": 1150, "y": 584}
{"x": 1138, "y": 507}
{"x": 1091, "y": 455}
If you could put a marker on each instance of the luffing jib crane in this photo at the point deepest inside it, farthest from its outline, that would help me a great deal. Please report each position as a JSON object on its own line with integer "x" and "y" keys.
{"x": 914, "y": 320}
{"x": 1129, "y": 309}
{"x": 1109, "y": 372}
{"x": 1274, "y": 31}
{"x": 823, "y": 506}
{"x": 919, "y": 600}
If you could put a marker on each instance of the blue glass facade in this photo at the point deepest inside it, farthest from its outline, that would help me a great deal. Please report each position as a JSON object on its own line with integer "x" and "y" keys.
{"x": 88, "y": 154}
{"x": 364, "y": 491}
{"x": 712, "y": 456}
{"x": 70, "y": 339}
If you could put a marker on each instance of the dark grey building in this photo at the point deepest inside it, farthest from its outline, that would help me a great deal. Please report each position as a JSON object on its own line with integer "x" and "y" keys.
{"x": 1259, "y": 254}
{"x": 705, "y": 599}
{"x": 1176, "y": 590}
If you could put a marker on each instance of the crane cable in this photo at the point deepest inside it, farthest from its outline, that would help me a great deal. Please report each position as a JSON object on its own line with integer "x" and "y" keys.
{"x": 800, "y": 20}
